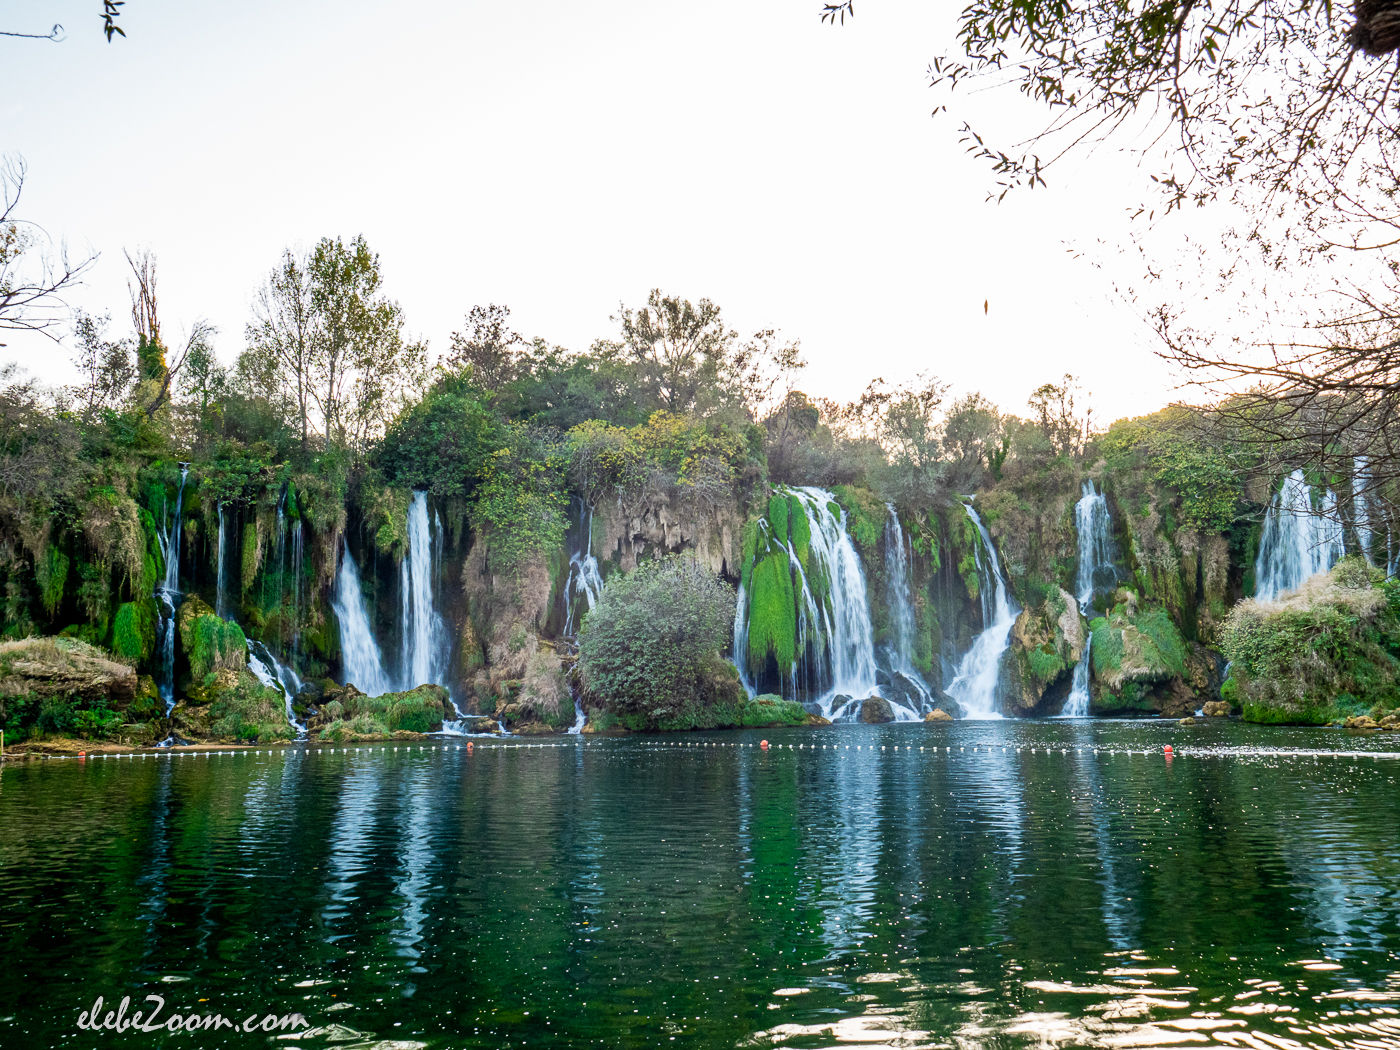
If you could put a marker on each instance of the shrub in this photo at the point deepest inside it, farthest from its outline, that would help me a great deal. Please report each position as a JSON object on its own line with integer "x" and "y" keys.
{"x": 215, "y": 644}
{"x": 650, "y": 645}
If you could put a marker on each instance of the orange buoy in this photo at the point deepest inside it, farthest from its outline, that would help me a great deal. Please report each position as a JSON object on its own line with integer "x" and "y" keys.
{"x": 469, "y": 745}
{"x": 763, "y": 744}
{"x": 82, "y": 754}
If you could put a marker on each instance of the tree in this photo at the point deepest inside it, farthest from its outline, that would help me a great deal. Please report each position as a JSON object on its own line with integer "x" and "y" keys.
{"x": 688, "y": 361}
{"x": 281, "y": 331}
{"x": 904, "y": 420}
{"x": 105, "y": 366}
{"x": 488, "y": 347}
{"x": 974, "y": 439}
{"x": 655, "y": 636}
{"x": 33, "y": 283}
{"x": 1057, "y": 418}
{"x": 360, "y": 362}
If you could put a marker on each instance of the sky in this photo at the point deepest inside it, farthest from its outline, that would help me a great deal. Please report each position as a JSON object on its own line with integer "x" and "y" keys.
{"x": 563, "y": 157}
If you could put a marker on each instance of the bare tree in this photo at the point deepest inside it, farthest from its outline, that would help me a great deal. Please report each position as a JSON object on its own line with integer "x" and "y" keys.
{"x": 33, "y": 283}
{"x": 282, "y": 329}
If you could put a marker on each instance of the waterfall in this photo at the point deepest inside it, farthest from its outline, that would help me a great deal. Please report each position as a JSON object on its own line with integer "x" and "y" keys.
{"x": 1361, "y": 506}
{"x": 361, "y": 662}
{"x": 979, "y": 672}
{"x": 1298, "y": 541}
{"x": 168, "y": 595}
{"x": 835, "y": 666}
{"x": 219, "y": 568}
{"x": 900, "y": 651}
{"x": 843, "y": 621}
{"x": 585, "y": 582}
{"x": 426, "y": 645}
{"x": 1094, "y": 528}
{"x": 273, "y": 673}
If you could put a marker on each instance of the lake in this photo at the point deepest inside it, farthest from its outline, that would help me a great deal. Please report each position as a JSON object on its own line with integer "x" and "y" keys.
{"x": 990, "y": 884}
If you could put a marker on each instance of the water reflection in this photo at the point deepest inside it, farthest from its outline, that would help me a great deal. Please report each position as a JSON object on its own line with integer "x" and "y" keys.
{"x": 1013, "y": 885}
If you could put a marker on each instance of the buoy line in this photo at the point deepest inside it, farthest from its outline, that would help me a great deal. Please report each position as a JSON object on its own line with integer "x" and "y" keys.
{"x": 502, "y": 746}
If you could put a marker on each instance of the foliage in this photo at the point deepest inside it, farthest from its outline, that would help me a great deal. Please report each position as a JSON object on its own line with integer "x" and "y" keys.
{"x": 213, "y": 644}
{"x": 651, "y": 641}
{"x": 242, "y": 709}
{"x": 1339, "y": 636}
{"x": 134, "y": 630}
{"x": 520, "y": 503}
{"x": 442, "y": 442}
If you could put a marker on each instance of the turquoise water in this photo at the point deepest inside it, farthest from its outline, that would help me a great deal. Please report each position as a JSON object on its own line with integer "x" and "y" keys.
{"x": 687, "y": 891}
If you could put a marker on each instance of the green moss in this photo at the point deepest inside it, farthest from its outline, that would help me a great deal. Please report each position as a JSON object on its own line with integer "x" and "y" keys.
{"x": 1108, "y": 646}
{"x": 51, "y": 574}
{"x": 865, "y": 517}
{"x": 251, "y": 559}
{"x": 134, "y": 630}
{"x": 1045, "y": 663}
{"x": 801, "y": 531}
{"x": 214, "y": 644}
{"x": 749, "y": 548}
{"x": 242, "y": 709}
{"x": 772, "y": 613}
{"x": 778, "y": 516}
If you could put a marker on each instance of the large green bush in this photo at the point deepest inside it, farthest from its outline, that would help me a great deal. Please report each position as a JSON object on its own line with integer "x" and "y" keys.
{"x": 649, "y": 647}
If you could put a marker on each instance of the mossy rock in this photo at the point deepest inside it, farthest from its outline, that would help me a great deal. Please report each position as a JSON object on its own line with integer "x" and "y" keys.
{"x": 209, "y": 642}
{"x": 240, "y": 709}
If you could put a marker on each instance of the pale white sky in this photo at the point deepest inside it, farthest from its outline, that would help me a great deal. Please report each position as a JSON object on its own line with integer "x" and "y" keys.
{"x": 559, "y": 156}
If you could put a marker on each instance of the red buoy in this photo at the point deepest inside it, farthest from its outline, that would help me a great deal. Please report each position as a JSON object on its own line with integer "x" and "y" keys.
{"x": 763, "y": 744}
{"x": 1167, "y": 749}
{"x": 82, "y": 754}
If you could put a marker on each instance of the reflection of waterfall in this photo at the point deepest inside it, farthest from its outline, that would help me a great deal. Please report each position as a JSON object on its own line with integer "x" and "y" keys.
{"x": 1094, "y": 528}
{"x": 1298, "y": 541}
{"x": 168, "y": 595}
{"x": 585, "y": 582}
{"x": 979, "y": 672}
{"x": 361, "y": 662}
{"x": 900, "y": 651}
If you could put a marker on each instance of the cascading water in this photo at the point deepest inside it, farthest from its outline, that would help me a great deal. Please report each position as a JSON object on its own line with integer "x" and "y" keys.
{"x": 1298, "y": 541}
{"x": 581, "y": 591}
{"x": 835, "y": 668}
{"x": 276, "y": 675}
{"x": 1093, "y": 525}
{"x": 1361, "y": 506}
{"x": 978, "y": 677}
{"x": 219, "y": 568}
{"x": 585, "y": 582}
{"x": 168, "y": 595}
{"x": 296, "y": 587}
{"x": 900, "y": 651}
{"x": 426, "y": 645}
{"x": 362, "y": 664}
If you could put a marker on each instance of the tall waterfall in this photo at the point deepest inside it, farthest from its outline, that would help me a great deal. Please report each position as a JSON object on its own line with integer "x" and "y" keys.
{"x": 219, "y": 560}
{"x": 975, "y": 685}
{"x": 1299, "y": 541}
{"x": 426, "y": 645}
{"x": 900, "y": 651}
{"x": 168, "y": 595}
{"x": 1361, "y": 506}
{"x": 848, "y": 657}
{"x": 361, "y": 661}
{"x": 1094, "y": 528}
{"x": 835, "y": 667}
{"x": 585, "y": 582}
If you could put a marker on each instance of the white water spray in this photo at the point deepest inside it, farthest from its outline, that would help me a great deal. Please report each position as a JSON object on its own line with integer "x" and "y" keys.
{"x": 362, "y": 664}
{"x": 168, "y": 595}
{"x": 975, "y": 686}
{"x": 1298, "y": 541}
{"x": 1094, "y": 528}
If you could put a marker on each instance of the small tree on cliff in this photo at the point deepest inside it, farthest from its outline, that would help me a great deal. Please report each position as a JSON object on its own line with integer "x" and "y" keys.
{"x": 652, "y": 643}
